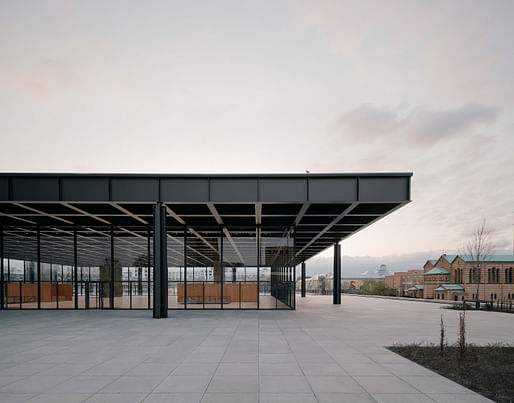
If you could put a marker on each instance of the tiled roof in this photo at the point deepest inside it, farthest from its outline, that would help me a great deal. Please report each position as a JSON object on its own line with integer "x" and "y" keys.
{"x": 436, "y": 271}
{"x": 490, "y": 258}
{"x": 449, "y": 287}
{"x": 470, "y": 258}
{"x": 450, "y": 258}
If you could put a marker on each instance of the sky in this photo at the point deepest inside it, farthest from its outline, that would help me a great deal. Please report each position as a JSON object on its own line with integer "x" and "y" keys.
{"x": 277, "y": 86}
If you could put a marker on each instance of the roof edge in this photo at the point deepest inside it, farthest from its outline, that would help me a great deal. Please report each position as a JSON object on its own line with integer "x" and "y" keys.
{"x": 212, "y": 175}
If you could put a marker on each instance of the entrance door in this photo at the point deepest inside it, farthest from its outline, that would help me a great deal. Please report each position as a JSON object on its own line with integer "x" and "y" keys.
{"x": 92, "y": 294}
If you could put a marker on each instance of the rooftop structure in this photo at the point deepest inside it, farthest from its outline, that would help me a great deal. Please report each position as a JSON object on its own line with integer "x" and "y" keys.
{"x": 198, "y": 241}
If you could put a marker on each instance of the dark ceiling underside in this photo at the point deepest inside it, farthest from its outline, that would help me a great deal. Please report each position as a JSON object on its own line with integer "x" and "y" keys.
{"x": 317, "y": 226}
{"x": 208, "y": 216}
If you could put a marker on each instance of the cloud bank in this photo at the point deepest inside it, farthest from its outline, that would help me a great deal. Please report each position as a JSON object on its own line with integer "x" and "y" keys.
{"x": 422, "y": 125}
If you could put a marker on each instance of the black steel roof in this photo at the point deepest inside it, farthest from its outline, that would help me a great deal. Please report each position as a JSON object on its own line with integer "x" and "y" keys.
{"x": 321, "y": 208}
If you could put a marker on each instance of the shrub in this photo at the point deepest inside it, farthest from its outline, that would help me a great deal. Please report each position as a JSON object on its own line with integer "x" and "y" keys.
{"x": 371, "y": 286}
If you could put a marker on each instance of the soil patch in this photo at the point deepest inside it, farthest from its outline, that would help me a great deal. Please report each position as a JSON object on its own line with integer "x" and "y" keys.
{"x": 487, "y": 370}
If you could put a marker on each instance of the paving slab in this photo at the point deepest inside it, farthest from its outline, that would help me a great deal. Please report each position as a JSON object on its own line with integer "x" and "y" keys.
{"x": 174, "y": 397}
{"x": 287, "y": 398}
{"x": 230, "y": 397}
{"x": 344, "y": 397}
{"x": 117, "y": 398}
{"x": 284, "y": 384}
{"x": 234, "y": 384}
{"x": 59, "y": 398}
{"x": 184, "y": 384}
{"x": 319, "y": 352}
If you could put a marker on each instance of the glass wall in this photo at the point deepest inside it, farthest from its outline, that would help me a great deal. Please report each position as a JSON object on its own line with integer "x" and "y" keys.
{"x": 132, "y": 253}
{"x": 202, "y": 288}
{"x": 175, "y": 252}
{"x": 110, "y": 267}
{"x": 67, "y": 267}
{"x": 94, "y": 253}
{"x": 22, "y": 291}
{"x": 277, "y": 286}
{"x": 57, "y": 290}
{"x": 230, "y": 268}
{"x": 240, "y": 256}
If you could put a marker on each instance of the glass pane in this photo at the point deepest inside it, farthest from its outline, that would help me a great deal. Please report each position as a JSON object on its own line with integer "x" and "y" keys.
{"x": 204, "y": 258}
{"x": 15, "y": 276}
{"x": 94, "y": 255}
{"x": 277, "y": 253}
{"x": 56, "y": 249}
{"x": 175, "y": 251}
{"x": 21, "y": 244}
{"x": 240, "y": 255}
{"x": 130, "y": 251}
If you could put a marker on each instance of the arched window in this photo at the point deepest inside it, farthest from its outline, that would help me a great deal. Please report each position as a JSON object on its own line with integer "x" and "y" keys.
{"x": 489, "y": 275}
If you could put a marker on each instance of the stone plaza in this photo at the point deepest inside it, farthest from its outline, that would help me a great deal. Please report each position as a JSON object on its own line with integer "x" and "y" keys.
{"x": 318, "y": 353}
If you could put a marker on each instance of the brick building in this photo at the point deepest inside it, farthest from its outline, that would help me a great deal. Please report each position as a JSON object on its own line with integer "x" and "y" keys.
{"x": 456, "y": 277}
{"x": 402, "y": 281}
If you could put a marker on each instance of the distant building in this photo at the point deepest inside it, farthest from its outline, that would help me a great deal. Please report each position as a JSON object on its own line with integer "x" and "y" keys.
{"x": 323, "y": 283}
{"x": 382, "y": 271}
{"x": 456, "y": 277}
{"x": 402, "y": 281}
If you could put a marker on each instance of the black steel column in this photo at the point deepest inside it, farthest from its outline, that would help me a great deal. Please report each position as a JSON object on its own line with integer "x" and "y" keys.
{"x": 293, "y": 268}
{"x": 111, "y": 293}
{"x": 2, "y": 267}
{"x": 75, "y": 268}
{"x": 336, "y": 278}
{"x": 222, "y": 268}
{"x": 303, "y": 279}
{"x": 185, "y": 268}
{"x": 38, "y": 268}
{"x": 148, "y": 288}
{"x": 258, "y": 234}
{"x": 160, "y": 267}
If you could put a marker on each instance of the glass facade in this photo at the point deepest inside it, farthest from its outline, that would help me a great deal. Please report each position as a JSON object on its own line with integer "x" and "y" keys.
{"x": 110, "y": 267}
{"x": 220, "y": 268}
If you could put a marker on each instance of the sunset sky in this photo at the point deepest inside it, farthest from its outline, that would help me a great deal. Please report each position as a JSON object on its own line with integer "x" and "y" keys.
{"x": 276, "y": 86}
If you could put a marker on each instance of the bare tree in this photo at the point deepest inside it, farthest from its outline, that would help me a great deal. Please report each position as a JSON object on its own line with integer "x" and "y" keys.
{"x": 442, "y": 341}
{"x": 478, "y": 250}
{"x": 462, "y": 334}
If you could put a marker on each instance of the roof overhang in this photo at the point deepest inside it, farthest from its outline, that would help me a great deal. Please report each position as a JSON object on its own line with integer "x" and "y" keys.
{"x": 322, "y": 209}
